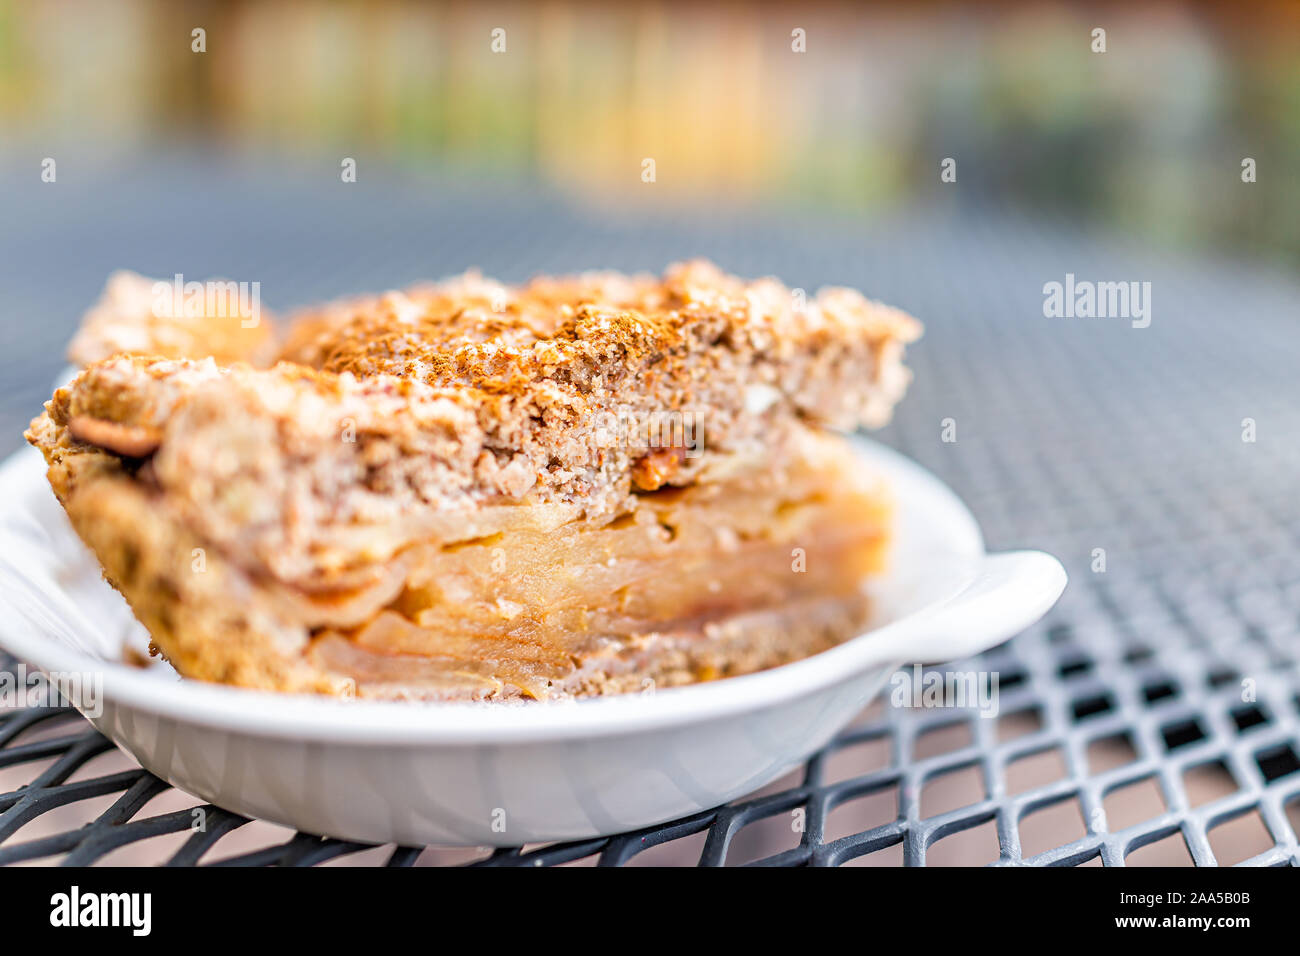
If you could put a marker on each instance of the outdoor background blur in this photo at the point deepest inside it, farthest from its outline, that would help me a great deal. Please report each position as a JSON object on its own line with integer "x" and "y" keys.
{"x": 712, "y": 92}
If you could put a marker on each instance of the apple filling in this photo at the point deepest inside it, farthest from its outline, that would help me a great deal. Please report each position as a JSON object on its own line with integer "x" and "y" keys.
{"x": 726, "y": 576}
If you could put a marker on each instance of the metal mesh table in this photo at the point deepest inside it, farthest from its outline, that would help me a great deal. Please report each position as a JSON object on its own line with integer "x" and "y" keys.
{"x": 1153, "y": 717}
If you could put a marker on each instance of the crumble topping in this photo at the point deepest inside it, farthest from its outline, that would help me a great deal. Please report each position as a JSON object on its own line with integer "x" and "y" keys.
{"x": 415, "y": 409}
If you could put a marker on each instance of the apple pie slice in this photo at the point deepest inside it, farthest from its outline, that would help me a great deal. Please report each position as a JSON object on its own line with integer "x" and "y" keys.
{"x": 580, "y": 486}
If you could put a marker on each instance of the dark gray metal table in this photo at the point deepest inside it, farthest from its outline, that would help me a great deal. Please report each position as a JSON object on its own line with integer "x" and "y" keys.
{"x": 1154, "y": 716}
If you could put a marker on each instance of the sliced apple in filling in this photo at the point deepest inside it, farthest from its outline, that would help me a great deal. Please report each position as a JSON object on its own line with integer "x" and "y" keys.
{"x": 760, "y": 567}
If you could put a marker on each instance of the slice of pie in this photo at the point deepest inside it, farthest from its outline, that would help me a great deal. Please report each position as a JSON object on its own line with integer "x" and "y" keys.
{"x": 580, "y": 486}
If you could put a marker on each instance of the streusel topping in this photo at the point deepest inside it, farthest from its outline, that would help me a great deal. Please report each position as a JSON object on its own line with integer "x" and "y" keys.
{"x": 426, "y": 405}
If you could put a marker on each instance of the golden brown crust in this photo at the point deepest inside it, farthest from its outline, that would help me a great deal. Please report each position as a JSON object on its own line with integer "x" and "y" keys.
{"x": 204, "y": 615}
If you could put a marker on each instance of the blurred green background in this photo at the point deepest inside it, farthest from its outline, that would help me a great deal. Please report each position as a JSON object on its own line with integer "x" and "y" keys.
{"x": 1143, "y": 137}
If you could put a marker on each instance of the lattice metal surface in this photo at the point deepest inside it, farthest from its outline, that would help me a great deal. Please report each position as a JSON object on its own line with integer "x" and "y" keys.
{"x": 1154, "y": 716}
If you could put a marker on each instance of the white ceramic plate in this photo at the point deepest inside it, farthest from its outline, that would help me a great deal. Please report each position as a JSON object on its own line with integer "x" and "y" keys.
{"x": 487, "y": 774}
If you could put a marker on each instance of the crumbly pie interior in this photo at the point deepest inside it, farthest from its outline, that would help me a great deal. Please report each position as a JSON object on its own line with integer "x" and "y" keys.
{"x": 427, "y": 500}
